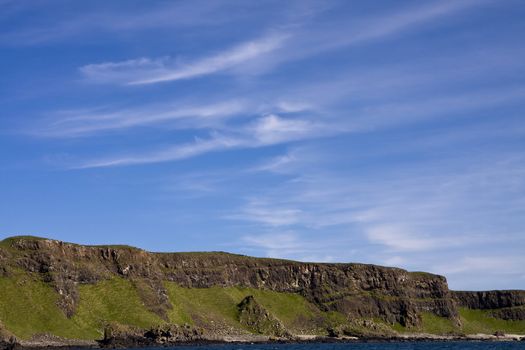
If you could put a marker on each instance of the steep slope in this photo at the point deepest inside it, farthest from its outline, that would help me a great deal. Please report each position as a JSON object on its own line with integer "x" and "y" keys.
{"x": 73, "y": 291}
{"x": 492, "y": 311}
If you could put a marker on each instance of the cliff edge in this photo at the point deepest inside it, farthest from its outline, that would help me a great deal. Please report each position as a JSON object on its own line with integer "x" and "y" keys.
{"x": 75, "y": 291}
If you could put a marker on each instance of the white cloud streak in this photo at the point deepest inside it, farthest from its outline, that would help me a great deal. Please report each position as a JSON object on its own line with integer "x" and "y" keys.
{"x": 213, "y": 144}
{"x": 86, "y": 123}
{"x": 147, "y": 71}
{"x": 265, "y": 131}
{"x": 271, "y": 50}
{"x": 423, "y": 212}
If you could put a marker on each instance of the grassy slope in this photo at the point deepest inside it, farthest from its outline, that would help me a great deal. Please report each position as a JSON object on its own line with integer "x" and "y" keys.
{"x": 473, "y": 322}
{"x": 220, "y": 306}
{"x": 28, "y": 306}
{"x": 480, "y": 321}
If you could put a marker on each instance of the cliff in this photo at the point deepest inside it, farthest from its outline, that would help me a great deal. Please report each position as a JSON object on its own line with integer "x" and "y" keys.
{"x": 86, "y": 287}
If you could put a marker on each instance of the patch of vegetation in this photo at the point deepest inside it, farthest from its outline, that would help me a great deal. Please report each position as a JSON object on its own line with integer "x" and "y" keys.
{"x": 430, "y": 323}
{"x": 115, "y": 300}
{"x": 203, "y": 305}
{"x": 28, "y": 306}
{"x": 219, "y": 304}
{"x": 434, "y": 324}
{"x": 398, "y": 327}
{"x": 481, "y": 321}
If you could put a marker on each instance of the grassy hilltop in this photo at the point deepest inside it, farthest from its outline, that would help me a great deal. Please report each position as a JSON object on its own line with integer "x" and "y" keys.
{"x": 73, "y": 291}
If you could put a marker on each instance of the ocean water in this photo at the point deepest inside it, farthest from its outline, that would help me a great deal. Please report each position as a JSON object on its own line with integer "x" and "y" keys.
{"x": 459, "y": 345}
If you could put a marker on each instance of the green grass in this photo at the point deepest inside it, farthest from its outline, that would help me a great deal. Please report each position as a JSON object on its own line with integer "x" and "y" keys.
{"x": 28, "y": 307}
{"x": 434, "y": 324}
{"x": 480, "y": 321}
{"x": 219, "y": 304}
{"x": 114, "y": 300}
{"x": 430, "y": 323}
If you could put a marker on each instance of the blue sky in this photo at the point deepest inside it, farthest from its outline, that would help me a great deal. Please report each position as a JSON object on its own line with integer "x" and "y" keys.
{"x": 386, "y": 132}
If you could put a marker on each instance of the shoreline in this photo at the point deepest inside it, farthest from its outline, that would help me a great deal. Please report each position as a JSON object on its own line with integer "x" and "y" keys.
{"x": 67, "y": 344}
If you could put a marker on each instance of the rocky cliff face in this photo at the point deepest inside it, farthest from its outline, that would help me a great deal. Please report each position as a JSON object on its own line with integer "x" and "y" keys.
{"x": 355, "y": 290}
{"x": 494, "y": 299}
{"x": 504, "y": 304}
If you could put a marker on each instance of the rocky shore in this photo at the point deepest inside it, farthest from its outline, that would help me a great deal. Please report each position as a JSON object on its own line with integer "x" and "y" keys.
{"x": 145, "y": 341}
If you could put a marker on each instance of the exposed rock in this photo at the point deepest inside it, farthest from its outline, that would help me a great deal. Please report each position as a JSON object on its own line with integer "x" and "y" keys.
{"x": 174, "y": 334}
{"x": 116, "y": 335}
{"x": 361, "y": 328}
{"x": 7, "y": 340}
{"x": 258, "y": 319}
{"x": 511, "y": 313}
{"x": 494, "y": 299}
{"x": 46, "y": 340}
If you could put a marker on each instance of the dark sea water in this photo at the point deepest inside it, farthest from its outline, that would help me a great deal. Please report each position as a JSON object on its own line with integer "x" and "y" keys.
{"x": 364, "y": 346}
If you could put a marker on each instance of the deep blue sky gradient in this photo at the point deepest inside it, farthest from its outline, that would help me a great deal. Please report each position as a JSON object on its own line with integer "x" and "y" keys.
{"x": 386, "y": 132}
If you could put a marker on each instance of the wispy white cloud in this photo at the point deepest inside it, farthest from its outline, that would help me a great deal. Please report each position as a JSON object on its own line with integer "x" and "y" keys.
{"x": 272, "y": 129}
{"x": 262, "y": 213}
{"x": 400, "y": 238}
{"x": 275, "y": 241}
{"x": 269, "y": 51}
{"x": 508, "y": 264}
{"x": 288, "y": 245}
{"x": 199, "y": 146}
{"x": 427, "y": 212}
{"x": 265, "y": 131}
{"x": 481, "y": 271}
{"x": 79, "y": 123}
{"x": 322, "y": 38}
{"x": 409, "y": 17}
{"x": 277, "y": 164}
{"x": 148, "y": 71}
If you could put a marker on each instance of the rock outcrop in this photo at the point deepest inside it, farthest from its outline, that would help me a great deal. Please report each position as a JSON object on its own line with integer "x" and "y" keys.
{"x": 504, "y": 304}
{"x": 121, "y": 336}
{"x": 362, "y": 328}
{"x": 7, "y": 340}
{"x": 494, "y": 299}
{"x": 258, "y": 319}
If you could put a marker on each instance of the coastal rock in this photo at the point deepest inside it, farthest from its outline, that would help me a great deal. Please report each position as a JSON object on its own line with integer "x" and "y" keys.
{"x": 168, "y": 334}
{"x": 365, "y": 328}
{"x": 7, "y": 340}
{"x": 116, "y": 335}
